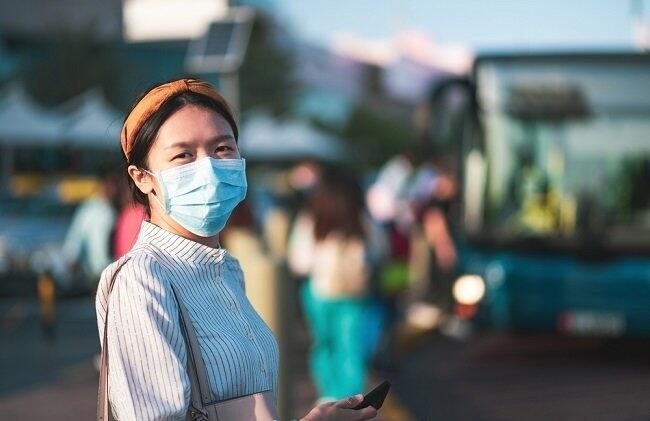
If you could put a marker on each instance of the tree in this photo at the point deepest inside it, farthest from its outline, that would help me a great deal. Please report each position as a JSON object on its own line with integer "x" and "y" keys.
{"x": 373, "y": 137}
{"x": 266, "y": 77}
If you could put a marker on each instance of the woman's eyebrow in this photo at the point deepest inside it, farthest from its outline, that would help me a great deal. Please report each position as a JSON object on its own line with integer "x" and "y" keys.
{"x": 215, "y": 139}
{"x": 179, "y": 145}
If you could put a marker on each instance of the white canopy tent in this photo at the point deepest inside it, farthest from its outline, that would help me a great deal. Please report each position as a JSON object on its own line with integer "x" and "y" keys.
{"x": 24, "y": 122}
{"x": 93, "y": 122}
{"x": 87, "y": 121}
{"x": 264, "y": 138}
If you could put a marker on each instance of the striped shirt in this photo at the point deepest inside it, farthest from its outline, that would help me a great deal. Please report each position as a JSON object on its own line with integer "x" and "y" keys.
{"x": 147, "y": 353}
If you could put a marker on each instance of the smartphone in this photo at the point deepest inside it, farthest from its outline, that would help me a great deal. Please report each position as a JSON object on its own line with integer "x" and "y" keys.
{"x": 375, "y": 397}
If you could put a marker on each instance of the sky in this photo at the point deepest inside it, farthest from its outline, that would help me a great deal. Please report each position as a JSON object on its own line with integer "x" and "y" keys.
{"x": 482, "y": 25}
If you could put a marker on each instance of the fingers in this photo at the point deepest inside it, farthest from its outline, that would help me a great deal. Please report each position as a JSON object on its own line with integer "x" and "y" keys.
{"x": 350, "y": 402}
{"x": 366, "y": 413}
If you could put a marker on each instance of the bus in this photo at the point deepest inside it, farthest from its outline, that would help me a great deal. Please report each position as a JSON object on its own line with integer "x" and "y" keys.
{"x": 554, "y": 215}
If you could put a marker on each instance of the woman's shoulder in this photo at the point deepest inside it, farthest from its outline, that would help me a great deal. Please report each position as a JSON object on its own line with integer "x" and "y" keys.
{"x": 137, "y": 273}
{"x": 141, "y": 264}
{"x": 141, "y": 255}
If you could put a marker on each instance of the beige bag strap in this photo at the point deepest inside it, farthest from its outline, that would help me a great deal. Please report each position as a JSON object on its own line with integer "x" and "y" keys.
{"x": 196, "y": 369}
{"x": 102, "y": 394}
{"x": 259, "y": 406}
{"x": 201, "y": 407}
{"x": 200, "y": 387}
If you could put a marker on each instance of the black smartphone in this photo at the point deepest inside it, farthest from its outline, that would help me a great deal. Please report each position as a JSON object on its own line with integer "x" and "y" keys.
{"x": 375, "y": 397}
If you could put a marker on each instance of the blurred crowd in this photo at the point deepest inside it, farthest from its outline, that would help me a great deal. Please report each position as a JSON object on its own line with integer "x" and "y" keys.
{"x": 364, "y": 254}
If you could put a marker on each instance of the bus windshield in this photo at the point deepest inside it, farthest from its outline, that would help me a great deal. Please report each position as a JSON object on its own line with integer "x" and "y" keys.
{"x": 567, "y": 151}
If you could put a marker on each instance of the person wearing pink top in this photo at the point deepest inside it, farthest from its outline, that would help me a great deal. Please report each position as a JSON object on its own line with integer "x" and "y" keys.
{"x": 127, "y": 228}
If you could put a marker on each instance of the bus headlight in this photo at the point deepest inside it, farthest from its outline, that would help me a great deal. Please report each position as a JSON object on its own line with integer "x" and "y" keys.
{"x": 469, "y": 289}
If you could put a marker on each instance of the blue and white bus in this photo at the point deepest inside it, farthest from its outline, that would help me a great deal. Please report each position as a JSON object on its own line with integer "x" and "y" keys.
{"x": 555, "y": 215}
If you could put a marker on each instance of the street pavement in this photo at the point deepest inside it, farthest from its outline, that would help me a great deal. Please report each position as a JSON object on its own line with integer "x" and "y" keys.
{"x": 492, "y": 376}
{"x": 500, "y": 376}
{"x": 47, "y": 378}
{"x": 55, "y": 379}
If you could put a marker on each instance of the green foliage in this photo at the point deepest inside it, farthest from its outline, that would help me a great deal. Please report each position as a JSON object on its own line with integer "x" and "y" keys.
{"x": 373, "y": 137}
{"x": 266, "y": 77}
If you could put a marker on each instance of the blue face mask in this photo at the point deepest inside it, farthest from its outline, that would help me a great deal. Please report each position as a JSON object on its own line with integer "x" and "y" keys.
{"x": 201, "y": 195}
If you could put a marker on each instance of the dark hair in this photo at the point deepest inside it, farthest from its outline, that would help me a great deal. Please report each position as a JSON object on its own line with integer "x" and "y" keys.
{"x": 337, "y": 206}
{"x": 149, "y": 130}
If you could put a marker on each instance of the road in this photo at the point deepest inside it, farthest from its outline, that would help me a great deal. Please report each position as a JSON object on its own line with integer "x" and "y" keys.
{"x": 56, "y": 379}
{"x": 492, "y": 376}
{"x": 41, "y": 379}
{"x": 500, "y": 376}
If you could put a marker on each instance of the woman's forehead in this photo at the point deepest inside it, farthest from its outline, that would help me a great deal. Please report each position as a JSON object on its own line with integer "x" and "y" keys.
{"x": 193, "y": 125}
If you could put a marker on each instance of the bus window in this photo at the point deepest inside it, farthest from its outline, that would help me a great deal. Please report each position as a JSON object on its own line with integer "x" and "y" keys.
{"x": 567, "y": 150}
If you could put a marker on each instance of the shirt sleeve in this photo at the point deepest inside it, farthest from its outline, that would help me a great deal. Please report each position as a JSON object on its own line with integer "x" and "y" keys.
{"x": 301, "y": 246}
{"x": 147, "y": 354}
{"x": 99, "y": 238}
{"x": 73, "y": 242}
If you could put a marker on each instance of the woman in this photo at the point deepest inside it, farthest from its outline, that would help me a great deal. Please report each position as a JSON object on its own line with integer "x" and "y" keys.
{"x": 334, "y": 244}
{"x": 180, "y": 146}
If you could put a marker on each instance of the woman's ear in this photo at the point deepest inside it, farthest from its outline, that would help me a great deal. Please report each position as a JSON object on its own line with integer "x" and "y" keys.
{"x": 141, "y": 178}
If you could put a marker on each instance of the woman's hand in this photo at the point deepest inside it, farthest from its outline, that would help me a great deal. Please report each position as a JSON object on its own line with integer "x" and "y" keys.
{"x": 341, "y": 410}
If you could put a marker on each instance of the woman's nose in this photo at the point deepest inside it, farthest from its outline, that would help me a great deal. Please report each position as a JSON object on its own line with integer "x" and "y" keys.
{"x": 202, "y": 153}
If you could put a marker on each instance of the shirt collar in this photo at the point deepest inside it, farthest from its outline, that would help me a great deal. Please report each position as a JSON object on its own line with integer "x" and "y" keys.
{"x": 181, "y": 247}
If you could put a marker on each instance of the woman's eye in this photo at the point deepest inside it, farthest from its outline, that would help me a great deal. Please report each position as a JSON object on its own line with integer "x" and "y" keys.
{"x": 183, "y": 155}
{"x": 226, "y": 151}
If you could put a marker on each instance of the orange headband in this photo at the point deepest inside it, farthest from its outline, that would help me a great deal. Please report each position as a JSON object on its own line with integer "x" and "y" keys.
{"x": 152, "y": 102}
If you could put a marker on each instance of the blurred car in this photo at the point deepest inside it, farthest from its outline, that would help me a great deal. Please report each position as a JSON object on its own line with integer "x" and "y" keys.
{"x": 32, "y": 231}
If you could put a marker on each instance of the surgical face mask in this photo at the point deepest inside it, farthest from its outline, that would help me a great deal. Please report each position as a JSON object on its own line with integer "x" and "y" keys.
{"x": 201, "y": 195}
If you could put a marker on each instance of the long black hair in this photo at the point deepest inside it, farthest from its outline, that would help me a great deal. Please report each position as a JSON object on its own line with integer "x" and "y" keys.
{"x": 337, "y": 206}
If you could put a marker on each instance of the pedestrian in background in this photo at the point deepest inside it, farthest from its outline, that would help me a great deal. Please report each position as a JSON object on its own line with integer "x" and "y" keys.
{"x": 388, "y": 203}
{"x": 334, "y": 245}
{"x": 87, "y": 245}
{"x": 435, "y": 217}
{"x": 129, "y": 220}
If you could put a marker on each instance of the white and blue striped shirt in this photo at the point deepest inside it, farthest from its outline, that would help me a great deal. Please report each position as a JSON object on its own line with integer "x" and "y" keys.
{"x": 147, "y": 353}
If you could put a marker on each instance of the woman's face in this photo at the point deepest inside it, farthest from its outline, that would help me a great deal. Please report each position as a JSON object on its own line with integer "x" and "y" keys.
{"x": 189, "y": 134}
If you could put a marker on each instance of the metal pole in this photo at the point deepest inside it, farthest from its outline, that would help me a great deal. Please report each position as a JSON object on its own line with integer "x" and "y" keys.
{"x": 286, "y": 312}
{"x": 275, "y": 231}
{"x": 229, "y": 84}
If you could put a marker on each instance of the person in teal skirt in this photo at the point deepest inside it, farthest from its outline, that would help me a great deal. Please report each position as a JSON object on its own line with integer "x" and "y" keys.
{"x": 335, "y": 246}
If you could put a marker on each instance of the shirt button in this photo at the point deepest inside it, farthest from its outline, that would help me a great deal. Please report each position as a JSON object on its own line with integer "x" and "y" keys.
{"x": 250, "y": 336}
{"x": 232, "y": 305}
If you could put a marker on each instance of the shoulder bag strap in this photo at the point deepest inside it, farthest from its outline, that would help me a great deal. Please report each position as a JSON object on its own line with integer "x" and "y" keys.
{"x": 102, "y": 395}
{"x": 200, "y": 387}
{"x": 196, "y": 369}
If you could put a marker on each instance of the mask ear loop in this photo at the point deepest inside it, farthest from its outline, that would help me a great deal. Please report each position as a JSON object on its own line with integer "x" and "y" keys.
{"x": 162, "y": 187}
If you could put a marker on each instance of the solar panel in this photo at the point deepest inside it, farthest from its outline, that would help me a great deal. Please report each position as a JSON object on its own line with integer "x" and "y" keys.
{"x": 220, "y": 36}
{"x": 222, "y": 48}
